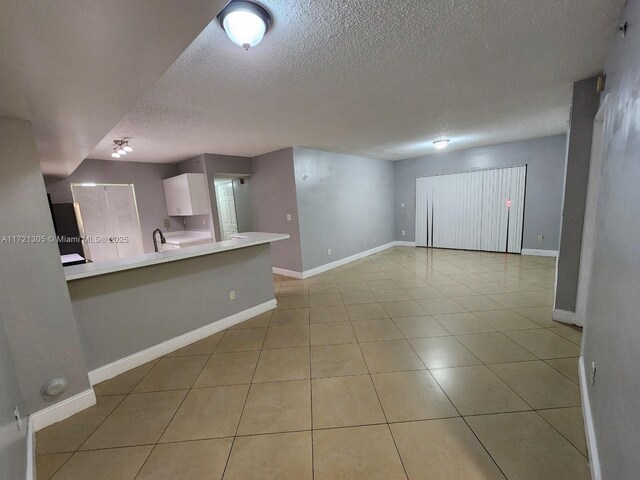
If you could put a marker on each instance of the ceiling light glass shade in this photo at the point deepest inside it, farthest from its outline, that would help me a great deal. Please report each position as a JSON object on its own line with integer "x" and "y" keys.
{"x": 121, "y": 151}
{"x": 115, "y": 155}
{"x": 245, "y": 23}
{"x": 127, "y": 149}
{"x": 440, "y": 144}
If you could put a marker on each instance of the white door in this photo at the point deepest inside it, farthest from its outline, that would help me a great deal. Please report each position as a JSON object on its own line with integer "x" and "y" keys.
{"x": 481, "y": 210}
{"x": 110, "y": 221}
{"x": 226, "y": 208}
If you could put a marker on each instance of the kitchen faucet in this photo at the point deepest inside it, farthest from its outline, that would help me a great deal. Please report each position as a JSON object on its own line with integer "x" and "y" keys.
{"x": 155, "y": 241}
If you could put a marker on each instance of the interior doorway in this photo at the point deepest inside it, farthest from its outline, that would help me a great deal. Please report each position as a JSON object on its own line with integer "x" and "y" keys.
{"x": 225, "y": 199}
{"x": 108, "y": 221}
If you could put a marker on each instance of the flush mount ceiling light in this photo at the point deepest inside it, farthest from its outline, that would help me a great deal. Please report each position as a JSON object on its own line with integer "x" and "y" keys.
{"x": 121, "y": 148}
{"x": 245, "y": 22}
{"x": 442, "y": 143}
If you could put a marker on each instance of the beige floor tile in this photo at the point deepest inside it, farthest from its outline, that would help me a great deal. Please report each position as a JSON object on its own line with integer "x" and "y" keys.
{"x": 440, "y": 279}
{"x": 293, "y": 301}
{"x": 290, "y": 316}
{"x": 357, "y": 453}
{"x": 571, "y": 333}
{"x": 477, "y": 390}
{"x": 514, "y": 300}
{"x": 539, "y": 315}
{"x": 417, "y": 327}
{"x": 368, "y": 277}
{"x": 228, "y": 369}
{"x": 293, "y": 290}
{"x": 261, "y": 320}
{"x": 282, "y": 456}
{"x": 408, "y": 308}
{"x": 241, "y": 340}
{"x": 566, "y": 366}
{"x": 172, "y": 373}
{"x": 277, "y": 407}
{"x": 345, "y": 401}
{"x": 321, "y": 288}
{"x": 504, "y": 320}
{"x": 488, "y": 288}
{"x": 352, "y": 286}
{"x": 48, "y": 465}
{"x": 436, "y": 306}
{"x": 463, "y": 323}
{"x": 358, "y": 298}
{"x": 332, "y": 333}
{"x": 125, "y": 382}
{"x": 207, "y": 413}
{"x": 495, "y": 348}
{"x": 337, "y": 360}
{"x": 423, "y": 293}
{"x": 390, "y": 356}
{"x": 376, "y": 330}
{"x": 367, "y": 311}
{"x": 456, "y": 290}
{"x": 197, "y": 460}
{"x": 206, "y": 346}
{"x": 528, "y": 448}
{"x": 443, "y": 352}
{"x": 70, "y": 434}
{"x": 443, "y": 449}
{"x": 287, "y": 337}
{"x": 110, "y": 464}
{"x": 283, "y": 364}
{"x": 382, "y": 284}
{"x": 395, "y": 295}
{"x": 544, "y": 344}
{"x": 407, "y": 396}
{"x": 478, "y": 303}
{"x": 328, "y": 314}
{"x": 139, "y": 420}
{"x": 538, "y": 384}
{"x": 325, "y": 300}
{"x": 570, "y": 423}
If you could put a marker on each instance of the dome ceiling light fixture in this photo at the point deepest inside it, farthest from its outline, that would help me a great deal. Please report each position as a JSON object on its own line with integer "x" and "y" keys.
{"x": 121, "y": 148}
{"x": 245, "y": 22}
{"x": 442, "y": 143}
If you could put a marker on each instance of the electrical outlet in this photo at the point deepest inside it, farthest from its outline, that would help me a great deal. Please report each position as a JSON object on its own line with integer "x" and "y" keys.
{"x": 540, "y": 238}
{"x": 402, "y": 205}
{"x": 288, "y": 217}
{"x": 167, "y": 223}
{"x": 16, "y": 414}
{"x": 204, "y": 222}
{"x": 232, "y": 295}
{"x": 593, "y": 373}
{"x": 403, "y": 233}
{"x": 328, "y": 251}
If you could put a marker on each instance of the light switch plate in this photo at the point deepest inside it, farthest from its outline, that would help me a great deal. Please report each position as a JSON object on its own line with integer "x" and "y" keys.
{"x": 232, "y": 295}
{"x": 288, "y": 217}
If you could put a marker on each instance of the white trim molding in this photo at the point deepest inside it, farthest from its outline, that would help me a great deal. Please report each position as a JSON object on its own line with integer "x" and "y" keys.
{"x": 563, "y": 316}
{"x": 31, "y": 473}
{"x": 540, "y": 253}
{"x": 345, "y": 260}
{"x": 113, "y": 369}
{"x": 592, "y": 446}
{"x": 287, "y": 273}
{"x": 63, "y": 409}
{"x": 399, "y": 243}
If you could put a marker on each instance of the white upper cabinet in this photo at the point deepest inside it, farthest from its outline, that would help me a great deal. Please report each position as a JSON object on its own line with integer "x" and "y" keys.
{"x": 186, "y": 194}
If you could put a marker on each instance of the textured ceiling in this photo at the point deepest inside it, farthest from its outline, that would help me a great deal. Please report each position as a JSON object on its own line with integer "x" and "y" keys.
{"x": 379, "y": 78}
{"x": 74, "y": 68}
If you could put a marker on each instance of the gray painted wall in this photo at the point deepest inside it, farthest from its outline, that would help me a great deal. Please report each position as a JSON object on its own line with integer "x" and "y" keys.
{"x": 272, "y": 188}
{"x": 147, "y": 179}
{"x": 125, "y": 312}
{"x": 612, "y": 332}
{"x": 198, "y": 222}
{"x": 545, "y": 159}
{"x": 345, "y": 203}
{"x": 34, "y": 301}
{"x": 586, "y": 101}
{"x": 13, "y": 442}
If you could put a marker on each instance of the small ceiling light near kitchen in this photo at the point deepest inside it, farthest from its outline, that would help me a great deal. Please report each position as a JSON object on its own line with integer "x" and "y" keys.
{"x": 440, "y": 144}
{"x": 121, "y": 148}
{"x": 245, "y": 22}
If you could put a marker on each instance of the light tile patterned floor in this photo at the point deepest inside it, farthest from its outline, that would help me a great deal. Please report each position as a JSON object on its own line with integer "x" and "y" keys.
{"x": 411, "y": 363}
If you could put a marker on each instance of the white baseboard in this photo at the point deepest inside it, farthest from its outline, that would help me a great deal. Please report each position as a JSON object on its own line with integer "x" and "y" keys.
{"x": 540, "y": 253}
{"x": 592, "y": 446}
{"x": 398, "y": 243}
{"x": 113, "y": 369}
{"x": 31, "y": 474}
{"x": 563, "y": 316}
{"x": 345, "y": 260}
{"x": 287, "y": 273}
{"x": 63, "y": 410}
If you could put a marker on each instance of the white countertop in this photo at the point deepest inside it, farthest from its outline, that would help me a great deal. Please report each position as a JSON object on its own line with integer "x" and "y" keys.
{"x": 244, "y": 240}
{"x": 183, "y": 237}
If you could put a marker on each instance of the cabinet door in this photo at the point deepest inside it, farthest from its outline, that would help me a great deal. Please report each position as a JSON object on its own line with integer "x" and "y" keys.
{"x": 176, "y": 194}
{"x": 199, "y": 194}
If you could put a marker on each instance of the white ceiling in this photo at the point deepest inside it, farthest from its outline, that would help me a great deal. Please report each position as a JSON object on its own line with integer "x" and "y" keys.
{"x": 379, "y": 78}
{"x": 74, "y": 68}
